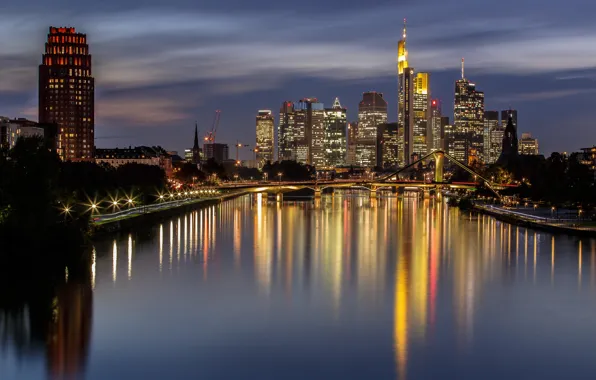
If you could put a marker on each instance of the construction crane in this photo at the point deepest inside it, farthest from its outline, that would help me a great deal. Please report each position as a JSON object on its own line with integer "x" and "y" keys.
{"x": 239, "y": 145}
{"x": 210, "y": 136}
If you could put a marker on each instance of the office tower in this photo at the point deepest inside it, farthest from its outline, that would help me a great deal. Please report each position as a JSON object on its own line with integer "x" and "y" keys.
{"x": 264, "y": 145}
{"x": 66, "y": 92}
{"x": 286, "y": 148}
{"x": 421, "y": 110}
{"x": 219, "y": 152}
{"x": 352, "y": 143}
{"x": 436, "y": 133}
{"x": 372, "y": 112}
{"x": 528, "y": 145}
{"x": 449, "y": 140}
{"x": 302, "y": 132}
{"x": 468, "y": 115}
{"x": 492, "y": 147}
{"x": 335, "y": 135}
{"x": 387, "y": 145}
{"x": 505, "y": 114}
{"x": 404, "y": 94}
{"x": 406, "y": 127}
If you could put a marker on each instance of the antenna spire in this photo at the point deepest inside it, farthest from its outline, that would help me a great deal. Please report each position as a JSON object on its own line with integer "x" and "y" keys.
{"x": 462, "y": 69}
{"x": 404, "y": 34}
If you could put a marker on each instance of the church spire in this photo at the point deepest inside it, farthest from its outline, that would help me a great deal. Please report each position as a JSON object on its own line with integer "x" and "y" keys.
{"x": 196, "y": 143}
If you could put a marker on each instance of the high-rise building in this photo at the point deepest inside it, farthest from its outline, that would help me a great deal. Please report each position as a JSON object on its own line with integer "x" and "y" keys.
{"x": 404, "y": 94}
{"x": 286, "y": 143}
{"x": 302, "y": 132}
{"x": 421, "y": 109}
{"x": 352, "y": 143}
{"x": 265, "y": 125}
{"x": 468, "y": 119}
{"x": 66, "y": 92}
{"x": 506, "y": 114}
{"x": 493, "y": 137}
{"x": 387, "y": 145}
{"x": 406, "y": 128}
{"x": 528, "y": 145}
{"x": 219, "y": 152}
{"x": 449, "y": 140}
{"x": 335, "y": 135}
{"x": 372, "y": 112}
{"x": 437, "y": 132}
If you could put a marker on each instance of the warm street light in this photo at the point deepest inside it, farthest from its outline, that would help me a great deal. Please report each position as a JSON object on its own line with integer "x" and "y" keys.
{"x": 279, "y": 175}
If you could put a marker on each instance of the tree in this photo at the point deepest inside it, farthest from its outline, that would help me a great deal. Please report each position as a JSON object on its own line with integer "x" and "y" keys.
{"x": 189, "y": 173}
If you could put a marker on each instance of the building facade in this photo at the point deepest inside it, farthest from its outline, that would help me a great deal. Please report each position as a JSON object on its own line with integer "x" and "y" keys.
{"x": 142, "y": 155}
{"x": 506, "y": 114}
{"x": 404, "y": 96}
{"x": 421, "y": 110}
{"x": 352, "y": 143}
{"x": 492, "y": 145}
{"x": 335, "y": 135}
{"x": 265, "y": 126}
{"x": 528, "y": 145}
{"x": 372, "y": 112}
{"x": 301, "y": 132}
{"x": 468, "y": 120}
{"x": 387, "y": 145}
{"x": 66, "y": 92}
{"x": 217, "y": 151}
{"x": 437, "y": 131}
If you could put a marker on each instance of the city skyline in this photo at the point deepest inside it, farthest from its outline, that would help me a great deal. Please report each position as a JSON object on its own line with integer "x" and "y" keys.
{"x": 136, "y": 94}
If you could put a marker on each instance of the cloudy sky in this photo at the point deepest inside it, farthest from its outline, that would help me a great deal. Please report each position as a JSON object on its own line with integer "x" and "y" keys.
{"x": 159, "y": 66}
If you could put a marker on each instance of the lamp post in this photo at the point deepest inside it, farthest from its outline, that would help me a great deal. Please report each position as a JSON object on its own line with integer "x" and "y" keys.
{"x": 279, "y": 175}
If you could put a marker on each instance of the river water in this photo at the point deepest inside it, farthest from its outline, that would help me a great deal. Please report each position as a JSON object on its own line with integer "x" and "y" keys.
{"x": 394, "y": 288}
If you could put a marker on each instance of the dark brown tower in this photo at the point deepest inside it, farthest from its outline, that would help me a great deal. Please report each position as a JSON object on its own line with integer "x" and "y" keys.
{"x": 66, "y": 92}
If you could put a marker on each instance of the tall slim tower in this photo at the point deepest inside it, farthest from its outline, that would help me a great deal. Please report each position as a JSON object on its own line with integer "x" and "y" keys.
{"x": 468, "y": 119}
{"x": 404, "y": 90}
{"x": 436, "y": 135}
{"x": 196, "y": 149}
{"x": 265, "y": 126}
{"x": 372, "y": 112}
{"x": 335, "y": 135}
{"x": 420, "y": 128}
{"x": 286, "y": 144}
{"x": 66, "y": 92}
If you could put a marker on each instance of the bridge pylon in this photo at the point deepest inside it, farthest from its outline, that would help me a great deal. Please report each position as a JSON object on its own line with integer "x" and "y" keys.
{"x": 439, "y": 165}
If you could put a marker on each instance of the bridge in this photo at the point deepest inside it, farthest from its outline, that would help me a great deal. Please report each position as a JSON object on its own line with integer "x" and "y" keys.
{"x": 390, "y": 181}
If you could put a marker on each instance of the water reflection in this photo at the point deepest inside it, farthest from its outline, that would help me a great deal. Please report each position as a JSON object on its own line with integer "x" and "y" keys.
{"x": 402, "y": 285}
{"x": 50, "y": 319}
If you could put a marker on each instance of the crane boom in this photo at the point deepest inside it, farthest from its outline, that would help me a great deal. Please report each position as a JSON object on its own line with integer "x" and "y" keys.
{"x": 210, "y": 136}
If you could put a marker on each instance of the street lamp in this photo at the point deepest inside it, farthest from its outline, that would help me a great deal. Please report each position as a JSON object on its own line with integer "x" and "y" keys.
{"x": 279, "y": 175}
{"x": 266, "y": 175}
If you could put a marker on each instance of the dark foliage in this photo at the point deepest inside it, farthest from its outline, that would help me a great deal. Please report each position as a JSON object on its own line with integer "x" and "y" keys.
{"x": 290, "y": 171}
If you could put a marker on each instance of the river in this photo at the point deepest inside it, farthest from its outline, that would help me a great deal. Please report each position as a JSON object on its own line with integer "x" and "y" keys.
{"x": 345, "y": 287}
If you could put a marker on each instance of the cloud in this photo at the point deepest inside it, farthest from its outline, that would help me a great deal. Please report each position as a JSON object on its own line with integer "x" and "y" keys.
{"x": 546, "y": 95}
{"x": 141, "y": 110}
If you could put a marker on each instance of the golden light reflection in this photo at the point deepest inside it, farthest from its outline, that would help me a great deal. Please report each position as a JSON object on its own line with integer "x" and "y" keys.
{"x": 93, "y": 264}
{"x": 579, "y": 265}
{"x": 178, "y": 233}
{"x": 129, "y": 256}
{"x": 400, "y": 313}
{"x": 171, "y": 243}
{"x": 160, "y": 247}
{"x": 552, "y": 263}
{"x": 114, "y": 260}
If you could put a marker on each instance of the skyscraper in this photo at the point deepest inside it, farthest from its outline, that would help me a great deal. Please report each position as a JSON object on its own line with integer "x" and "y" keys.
{"x": 286, "y": 143}
{"x": 421, "y": 109}
{"x": 406, "y": 128}
{"x": 387, "y": 145}
{"x": 436, "y": 135}
{"x": 404, "y": 91}
{"x": 66, "y": 92}
{"x": 335, "y": 135}
{"x": 492, "y": 140}
{"x": 468, "y": 115}
{"x": 302, "y": 132}
{"x": 352, "y": 143}
{"x": 372, "y": 112}
{"x": 265, "y": 126}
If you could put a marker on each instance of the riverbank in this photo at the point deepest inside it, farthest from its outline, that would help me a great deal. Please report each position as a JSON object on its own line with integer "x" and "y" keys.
{"x": 530, "y": 222}
{"x": 131, "y": 221}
